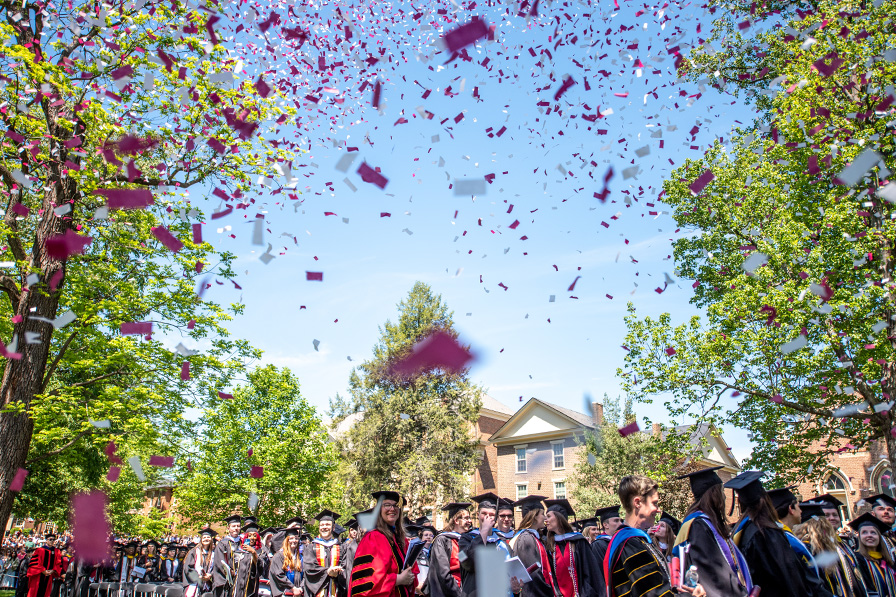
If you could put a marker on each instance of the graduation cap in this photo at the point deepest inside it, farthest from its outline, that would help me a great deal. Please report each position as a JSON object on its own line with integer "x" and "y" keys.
{"x": 561, "y": 506}
{"x": 782, "y": 497}
{"x": 486, "y": 501}
{"x": 410, "y": 528}
{"x": 338, "y": 529}
{"x": 829, "y": 501}
{"x": 250, "y": 526}
{"x": 326, "y": 515}
{"x": 388, "y": 495}
{"x": 810, "y": 510}
{"x": 454, "y": 507}
{"x": 352, "y": 524}
{"x": 703, "y": 480}
{"x": 267, "y": 530}
{"x": 423, "y": 520}
{"x": 147, "y": 543}
{"x": 305, "y": 537}
{"x": 189, "y": 545}
{"x": 132, "y": 543}
{"x": 749, "y": 487}
{"x": 50, "y": 536}
{"x": 250, "y": 520}
{"x": 173, "y": 546}
{"x": 673, "y": 522}
{"x": 869, "y": 519}
{"x": 295, "y": 520}
{"x": 430, "y": 528}
{"x": 607, "y": 512}
{"x": 209, "y": 532}
{"x": 530, "y": 503}
{"x": 234, "y": 518}
{"x": 505, "y": 504}
{"x": 882, "y": 500}
{"x": 588, "y": 522}
{"x": 290, "y": 532}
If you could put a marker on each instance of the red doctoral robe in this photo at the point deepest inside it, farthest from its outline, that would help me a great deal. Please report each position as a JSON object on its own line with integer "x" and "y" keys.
{"x": 377, "y": 562}
{"x": 44, "y": 558}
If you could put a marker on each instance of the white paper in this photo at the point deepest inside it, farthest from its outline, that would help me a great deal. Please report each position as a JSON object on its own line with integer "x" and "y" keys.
{"x": 794, "y": 345}
{"x": 489, "y": 584}
{"x": 862, "y": 163}
{"x": 753, "y": 261}
{"x": 515, "y": 568}
{"x": 134, "y": 461}
{"x": 64, "y": 319}
{"x": 104, "y": 424}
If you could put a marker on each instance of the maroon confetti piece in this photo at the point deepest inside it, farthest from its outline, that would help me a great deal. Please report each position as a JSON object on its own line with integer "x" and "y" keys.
{"x": 18, "y": 481}
{"x": 776, "y": 399}
{"x": 629, "y": 429}
{"x": 216, "y": 145}
{"x": 132, "y": 144}
{"x": 573, "y": 285}
{"x": 564, "y": 87}
{"x": 197, "y": 234}
{"x": 62, "y": 246}
{"x": 90, "y": 527}
{"x": 256, "y": 472}
{"x": 20, "y": 210}
{"x": 263, "y": 89}
{"x": 377, "y": 91}
{"x": 165, "y": 237}
{"x": 110, "y": 450}
{"x": 465, "y": 35}
{"x": 113, "y": 474}
{"x": 210, "y": 28}
{"x": 126, "y": 198}
{"x": 704, "y": 179}
{"x": 136, "y": 328}
{"x": 602, "y": 196}
{"x": 224, "y": 396}
{"x": 438, "y": 350}
{"x": 314, "y": 276}
{"x": 164, "y": 461}
{"x": 249, "y": 453}
{"x": 370, "y": 175}
{"x": 185, "y": 371}
{"x": 514, "y": 225}
{"x": 670, "y": 351}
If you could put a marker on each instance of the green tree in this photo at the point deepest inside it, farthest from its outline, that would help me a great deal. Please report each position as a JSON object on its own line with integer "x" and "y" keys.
{"x": 99, "y": 101}
{"x": 267, "y": 424}
{"x": 411, "y": 434}
{"x": 609, "y": 457}
{"x": 793, "y": 253}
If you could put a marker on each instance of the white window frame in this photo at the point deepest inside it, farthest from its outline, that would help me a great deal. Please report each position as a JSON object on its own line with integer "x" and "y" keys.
{"x": 562, "y": 444}
{"x": 525, "y": 460}
{"x": 565, "y": 492}
{"x": 524, "y": 487}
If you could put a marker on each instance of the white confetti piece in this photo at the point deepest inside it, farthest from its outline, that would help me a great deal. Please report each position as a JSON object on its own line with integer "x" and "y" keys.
{"x": 753, "y": 261}
{"x": 854, "y": 172}
{"x": 794, "y": 345}
{"x": 134, "y": 461}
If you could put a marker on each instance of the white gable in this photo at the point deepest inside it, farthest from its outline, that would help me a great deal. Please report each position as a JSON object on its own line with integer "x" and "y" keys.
{"x": 535, "y": 420}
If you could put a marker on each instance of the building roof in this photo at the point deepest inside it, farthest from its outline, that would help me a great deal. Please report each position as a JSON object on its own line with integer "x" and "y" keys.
{"x": 491, "y": 404}
{"x": 552, "y": 421}
{"x": 707, "y": 453}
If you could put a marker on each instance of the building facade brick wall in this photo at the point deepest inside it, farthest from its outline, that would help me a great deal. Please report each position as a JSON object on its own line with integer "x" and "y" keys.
{"x": 541, "y": 475}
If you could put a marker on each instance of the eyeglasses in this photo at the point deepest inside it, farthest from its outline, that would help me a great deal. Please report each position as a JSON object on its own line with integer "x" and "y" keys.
{"x": 505, "y": 515}
{"x": 390, "y": 506}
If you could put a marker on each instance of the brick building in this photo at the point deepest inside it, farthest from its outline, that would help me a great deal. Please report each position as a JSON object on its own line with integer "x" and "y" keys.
{"x": 853, "y": 475}
{"x": 492, "y": 416}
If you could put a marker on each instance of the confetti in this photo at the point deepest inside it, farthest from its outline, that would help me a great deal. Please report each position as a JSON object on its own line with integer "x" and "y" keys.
{"x": 18, "y": 481}
{"x": 90, "y": 527}
{"x": 439, "y": 350}
{"x": 629, "y": 429}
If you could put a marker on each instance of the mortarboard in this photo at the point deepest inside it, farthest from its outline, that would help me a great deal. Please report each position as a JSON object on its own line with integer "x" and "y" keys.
{"x": 147, "y": 543}
{"x": 702, "y": 480}
{"x": 388, "y": 495}
{"x": 338, "y": 529}
{"x": 829, "y": 501}
{"x": 811, "y": 510}
{"x": 869, "y": 519}
{"x": 607, "y": 512}
{"x": 249, "y": 520}
{"x": 530, "y": 503}
{"x": 267, "y": 530}
{"x": 49, "y": 536}
{"x": 505, "y": 504}
{"x": 291, "y": 532}
{"x": 430, "y": 528}
{"x": 588, "y": 522}
{"x": 561, "y": 506}
{"x": 326, "y": 515}
{"x": 209, "y": 532}
{"x": 782, "y": 497}
{"x": 748, "y": 486}
{"x": 673, "y": 522}
{"x": 881, "y": 499}
{"x": 486, "y": 500}
{"x": 352, "y": 524}
{"x": 298, "y": 520}
{"x": 455, "y": 507}
{"x": 189, "y": 545}
{"x": 233, "y": 518}
{"x": 132, "y": 543}
{"x": 305, "y": 537}
{"x": 250, "y": 526}
{"x": 423, "y": 520}
{"x": 173, "y": 546}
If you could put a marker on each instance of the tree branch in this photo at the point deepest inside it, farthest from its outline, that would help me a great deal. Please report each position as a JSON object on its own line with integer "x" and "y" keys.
{"x": 8, "y": 285}
{"x": 61, "y": 449}
{"x": 52, "y": 369}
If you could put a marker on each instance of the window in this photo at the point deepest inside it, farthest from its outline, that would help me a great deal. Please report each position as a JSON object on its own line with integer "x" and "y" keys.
{"x": 836, "y": 486}
{"x": 522, "y": 490}
{"x": 559, "y": 490}
{"x": 558, "y": 455}
{"x": 521, "y": 460}
{"x": 884, "y": 482}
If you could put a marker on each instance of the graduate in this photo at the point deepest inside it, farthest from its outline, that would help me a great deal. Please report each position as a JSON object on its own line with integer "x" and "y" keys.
{"x": 124, "y": 570}
{"x": 295, "y": 522}
{"x": 445, "y": 576}
{"x": 285, "y": 571}
{"x": 44, "y": 567}
{"x": 875, "y": 565}
{"x": 610, "y": 521}
{"x": 504, "y": 523}
{"x": 664, "y": 532}
{"x": 149, "y": 561}
{"x": 349, "y": 549}
{"x": 633, "y": 566}
{"x": 475, "y": 539}
{"x": 198, "y": 566}
{"x": 576, "y": 572}
{"x": 527, "y": 546}
{"x": 883, "y": 507}
{"x": 588, "y": 528}
{"x": 321, "y": 567}
{"x": 788, "y": 510}
{"x": 772, "y": 562}
{"x": 820, "y": 537}
{"x": 379, "y": 562}
{"x": 704, "y": 540}
{"x": 170, "y": 568}
{"x": 831, "y": 508}
{"x": 225, "y": 551}
{"x": 247, "y": 562}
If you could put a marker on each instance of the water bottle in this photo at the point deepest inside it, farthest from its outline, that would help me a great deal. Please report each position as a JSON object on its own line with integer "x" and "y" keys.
{"x": 691, "y": 578}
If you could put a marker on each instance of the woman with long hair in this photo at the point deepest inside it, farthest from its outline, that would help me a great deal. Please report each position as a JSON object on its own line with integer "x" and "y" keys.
{"x": 199, "y": 565}
{"x": 839, "y": 573}
{"x": 444, "y": 577}
{"x": 664, "y": 532}
{"x": 874, "y": 562}
{"x": 704, "y": 540}
{"x": 378, "y": 570}
{"x": 576, "y": 572}
{"x": 772, "y": 563}
{"x": 286, "y": 566}
{"x": 527, "y": 546}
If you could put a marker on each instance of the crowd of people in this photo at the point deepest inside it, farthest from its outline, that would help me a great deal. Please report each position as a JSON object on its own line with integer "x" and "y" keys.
{"x": 779, "y": 547}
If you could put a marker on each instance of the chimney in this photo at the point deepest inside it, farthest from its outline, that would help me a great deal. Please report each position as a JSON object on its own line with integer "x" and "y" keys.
{"x": 657, "y": 430}
{"x": 597, "y": 413}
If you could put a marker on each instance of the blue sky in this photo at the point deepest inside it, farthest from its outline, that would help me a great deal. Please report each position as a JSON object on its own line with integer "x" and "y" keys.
{"x": 461, "y": 245}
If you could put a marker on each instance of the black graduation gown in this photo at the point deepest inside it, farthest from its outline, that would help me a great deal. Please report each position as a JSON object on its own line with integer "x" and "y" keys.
{"x": 191, "y": 566}
{"x": 639, "y": 570}
{"x": 85, "y": 576}
{"x": 589, "y": 577}
{"x": 599, "y": 548}
{"x": 527, "y": 546}
{"x": 277, "y": 576}
{"x": 246, "y": 573}
{"x": 441, "y": 577}
{"x": 347, "y": 559}
{"x": 225, "y": 551}
{"x": 169, "y": 569}
{"x": 716, "y": 576}
{"x": 468, "y": 543}
{"x": 22, "y": 577}
{"x": 317, "y": 581}
{"x": 125, "y": 561}
{"x": 773, "y": 564}
{"x": 151, "y": 564}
